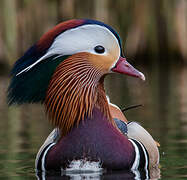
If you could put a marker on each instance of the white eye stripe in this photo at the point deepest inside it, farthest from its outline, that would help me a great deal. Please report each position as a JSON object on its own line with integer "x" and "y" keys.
{"x": 81, "y": 39}
{"x": 84, "y": 39}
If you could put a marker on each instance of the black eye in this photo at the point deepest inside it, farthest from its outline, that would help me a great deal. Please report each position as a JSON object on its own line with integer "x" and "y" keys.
{"x": 99, "y": 49}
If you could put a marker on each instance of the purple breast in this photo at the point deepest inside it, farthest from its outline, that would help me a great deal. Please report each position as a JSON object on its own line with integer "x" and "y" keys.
{"x": 94, "y": 139}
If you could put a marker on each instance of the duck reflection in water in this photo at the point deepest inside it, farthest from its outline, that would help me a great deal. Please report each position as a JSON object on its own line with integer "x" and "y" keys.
{"x": 113, "y": 175}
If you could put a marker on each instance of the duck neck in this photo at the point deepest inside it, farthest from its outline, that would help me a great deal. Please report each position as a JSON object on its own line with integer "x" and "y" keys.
{"x": 75, "y": 89}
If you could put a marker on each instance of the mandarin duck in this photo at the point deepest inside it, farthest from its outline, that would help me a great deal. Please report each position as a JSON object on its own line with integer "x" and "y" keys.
{"x": 65, "y": 71}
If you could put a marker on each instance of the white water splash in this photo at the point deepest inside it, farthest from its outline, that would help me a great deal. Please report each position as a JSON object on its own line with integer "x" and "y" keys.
{"x": 83, "y": 166}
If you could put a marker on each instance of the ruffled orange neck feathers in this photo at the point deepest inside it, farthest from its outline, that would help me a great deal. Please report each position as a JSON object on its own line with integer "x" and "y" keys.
{"x": 75, "y": 89}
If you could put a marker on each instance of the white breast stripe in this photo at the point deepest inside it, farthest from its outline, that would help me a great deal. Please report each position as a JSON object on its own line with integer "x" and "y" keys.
{"x": 137, "y": 174}
{"x": 137, "y": 156}
{"x": 145, "y": 154}
{"x": 43, "y": 158}
{"x": 146, "y": 160}
{"x": 137, "y": 162}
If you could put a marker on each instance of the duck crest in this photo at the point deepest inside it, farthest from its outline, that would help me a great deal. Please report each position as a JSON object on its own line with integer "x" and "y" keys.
{"x": 47, "y": 39}
{"x": 76, "y": 87}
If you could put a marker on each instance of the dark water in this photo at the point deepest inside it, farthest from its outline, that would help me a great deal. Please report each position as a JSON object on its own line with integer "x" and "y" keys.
{"x": 164, "y": 114}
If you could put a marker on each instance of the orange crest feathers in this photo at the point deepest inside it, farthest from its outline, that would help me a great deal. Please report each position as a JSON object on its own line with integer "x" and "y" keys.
{"x": 73, "y": 92}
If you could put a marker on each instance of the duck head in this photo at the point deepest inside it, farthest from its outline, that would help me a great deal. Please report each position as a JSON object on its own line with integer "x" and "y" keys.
{"x": 65, "y": 70}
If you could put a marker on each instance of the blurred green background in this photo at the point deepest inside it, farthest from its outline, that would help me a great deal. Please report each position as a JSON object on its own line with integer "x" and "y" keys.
{"x": 154, "y": 30}
{"x": 154, "y": 36}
